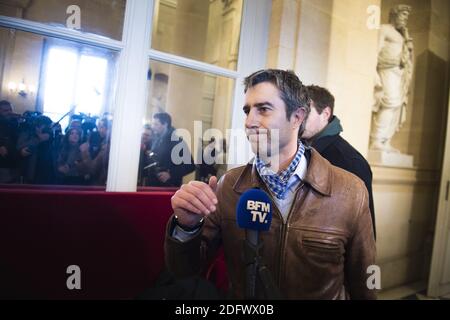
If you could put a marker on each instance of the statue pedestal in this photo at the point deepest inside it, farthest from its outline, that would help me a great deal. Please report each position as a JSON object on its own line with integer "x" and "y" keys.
{"x": 390, "y": 159}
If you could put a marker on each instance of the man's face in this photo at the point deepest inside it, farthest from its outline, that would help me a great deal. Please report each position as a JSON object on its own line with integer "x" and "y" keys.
{"x": 5, "y": 111}
{"x": 266, "y": 111}
{"x": 158, "y": 127}
{"x": 146, "y": 136}
{"x": 103, "y": 130}
{"x": 316, "y": 122}
{"x": 401, "y": 19}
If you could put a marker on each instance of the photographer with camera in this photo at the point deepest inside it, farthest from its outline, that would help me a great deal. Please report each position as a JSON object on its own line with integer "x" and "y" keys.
{"x": 145, "y": 155}
{"x": 8, "y": 140}
{"x": 95, "y": 154}
{"x": 36, "y": 150}
{"x": 212, "y": 164}
{"x": 162, "y": 172}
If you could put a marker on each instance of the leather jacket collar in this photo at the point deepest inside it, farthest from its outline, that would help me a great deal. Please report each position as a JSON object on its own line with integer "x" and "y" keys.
{"x": 318, "y": 178}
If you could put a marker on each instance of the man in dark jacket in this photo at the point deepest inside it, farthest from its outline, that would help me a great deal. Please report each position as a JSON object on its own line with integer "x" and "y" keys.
{"x": 35, "y": 147}
{"x": 165, "y": 171}
{"x": 8, "y": 140}
{"x": 323, "y": 134}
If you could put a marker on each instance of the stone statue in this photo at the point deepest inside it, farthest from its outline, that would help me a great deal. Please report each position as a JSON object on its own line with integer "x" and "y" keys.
{"x": 394, "y": 73}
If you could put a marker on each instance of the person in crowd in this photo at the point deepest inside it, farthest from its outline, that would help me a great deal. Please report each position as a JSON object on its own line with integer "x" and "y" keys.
{"x": 323, "y": 131}
{"x": 144, "y": 158}
{"x": 8, "y": 140}
{"x": 213, "y": 157}
{"x": 165, "y": 171}
{"x": 320, "y": 243}
{"x": 95, "y": 154}
{"x": 69, "y": 157}
{"x": 35, "y": 148}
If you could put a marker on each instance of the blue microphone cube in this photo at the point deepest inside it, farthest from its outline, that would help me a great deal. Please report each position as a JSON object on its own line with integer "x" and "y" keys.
{"x": 254, "y": 210}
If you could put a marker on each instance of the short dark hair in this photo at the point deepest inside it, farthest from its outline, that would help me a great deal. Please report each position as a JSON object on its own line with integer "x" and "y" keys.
{"x": 321, "y": 98}
{"x": 43, "y": 121}
{"x": 292, "y": 91}
{"x": 164, "y": 118}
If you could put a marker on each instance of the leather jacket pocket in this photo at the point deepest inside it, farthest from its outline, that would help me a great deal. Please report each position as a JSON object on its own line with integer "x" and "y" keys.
{"x": 323, "y": 249}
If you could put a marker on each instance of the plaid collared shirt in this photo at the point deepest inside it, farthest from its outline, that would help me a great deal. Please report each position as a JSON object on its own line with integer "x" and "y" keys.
{"x": 277, "y": 183}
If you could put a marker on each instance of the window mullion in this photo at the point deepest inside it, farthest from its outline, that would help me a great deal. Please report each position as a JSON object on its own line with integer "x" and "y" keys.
{"x": 192, "y": 64}
{"x": 130, "y": 98}
{"x": 252, "y": 57}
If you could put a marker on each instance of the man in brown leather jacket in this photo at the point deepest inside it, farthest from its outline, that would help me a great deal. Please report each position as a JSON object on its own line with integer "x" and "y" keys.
{"x": 320, "y": 243}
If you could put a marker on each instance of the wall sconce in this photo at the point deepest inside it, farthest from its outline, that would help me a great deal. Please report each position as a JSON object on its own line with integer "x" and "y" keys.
{"x": 21, "y": 89}
{"x": 12, "y": 86}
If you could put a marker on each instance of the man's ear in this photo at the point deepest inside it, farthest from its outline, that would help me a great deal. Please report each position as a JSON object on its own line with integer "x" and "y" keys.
{"x": 298, "y": 117}
{"x": 326, "y": 113}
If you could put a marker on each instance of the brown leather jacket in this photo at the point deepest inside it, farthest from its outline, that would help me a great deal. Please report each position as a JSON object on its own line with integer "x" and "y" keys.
{"x": 322, "y": 252}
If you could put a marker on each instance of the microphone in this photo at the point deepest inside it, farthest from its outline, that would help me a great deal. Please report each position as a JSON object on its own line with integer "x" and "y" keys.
{"x": 254, "y": 210}
{"x": 254, "y": 214}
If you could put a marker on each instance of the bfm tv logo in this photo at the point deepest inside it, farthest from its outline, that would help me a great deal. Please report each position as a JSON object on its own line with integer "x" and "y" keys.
{"x": 258, "y": 210}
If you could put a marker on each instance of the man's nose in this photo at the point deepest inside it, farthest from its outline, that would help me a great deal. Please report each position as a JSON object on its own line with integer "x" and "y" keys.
{"x": 252, "y": 120}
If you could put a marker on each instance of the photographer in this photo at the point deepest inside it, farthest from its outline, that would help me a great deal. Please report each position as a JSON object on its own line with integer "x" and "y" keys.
{"x": 145, "y": 155}
{"x": 34, "y": 146}
{"x": 164, "y": 173}
{"x": 95, "y": 154}
{"x": 8, "y": 140}
{"x": 213, "y": 157}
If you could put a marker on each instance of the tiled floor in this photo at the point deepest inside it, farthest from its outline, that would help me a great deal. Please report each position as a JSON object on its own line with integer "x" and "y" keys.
{"x": 412, "y": 291}
{"x": 421, "y": 296}
{"x": 407, "y": 292}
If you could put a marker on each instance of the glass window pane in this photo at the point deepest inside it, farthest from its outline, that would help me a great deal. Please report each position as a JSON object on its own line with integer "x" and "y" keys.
{"x": 84, "y": 15}
{"x": 203, "y": 30}
{"x": 59, "y": 79}
{"x": 199, "y": 106}
{"x": 56, "y": 110}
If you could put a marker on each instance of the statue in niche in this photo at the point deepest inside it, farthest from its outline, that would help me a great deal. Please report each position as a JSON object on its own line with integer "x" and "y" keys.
{"x": 394, "y": 74}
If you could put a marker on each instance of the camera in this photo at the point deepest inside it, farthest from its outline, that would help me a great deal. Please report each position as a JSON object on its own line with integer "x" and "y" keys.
{"x": 28, "y": 120}
{"x": 152, "y": 165}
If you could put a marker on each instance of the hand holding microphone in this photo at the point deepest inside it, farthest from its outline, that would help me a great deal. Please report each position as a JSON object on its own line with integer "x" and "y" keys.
{"x": 194, "y": 201}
